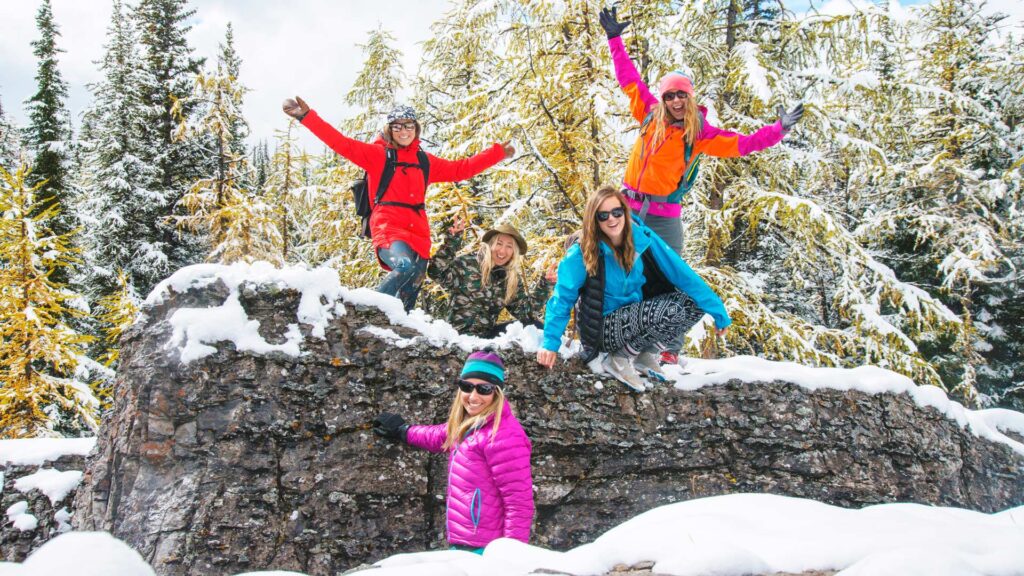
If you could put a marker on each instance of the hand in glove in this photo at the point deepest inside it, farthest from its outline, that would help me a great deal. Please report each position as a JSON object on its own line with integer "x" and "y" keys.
{"x": 295, "y": 108}
{"x": 610, "y": 22}
{"x": 789, "y": 119}
{"x": 390, "y": 426}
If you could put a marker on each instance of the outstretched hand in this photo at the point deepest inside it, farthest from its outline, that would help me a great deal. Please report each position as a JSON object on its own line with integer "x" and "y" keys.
{"x": 610, "y": 22}
{"x": 458, "y": 225}
{"x": 551, "y": 275}
{"x": 296, "y": 108}
{"x": 509, "y": 149}
{"x": 390, "y": 426}
{"x": 789, "y": 119}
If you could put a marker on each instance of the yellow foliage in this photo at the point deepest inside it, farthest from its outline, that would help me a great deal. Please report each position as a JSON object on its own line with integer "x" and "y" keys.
{"x": 38, "y": 351}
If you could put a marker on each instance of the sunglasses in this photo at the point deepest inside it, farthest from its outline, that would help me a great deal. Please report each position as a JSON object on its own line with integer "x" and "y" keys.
{"x": 670, "y": 96}
{"x": 402, "y": 126}
{"x": 603, "y": 216}
{"x": 481, "y": 389}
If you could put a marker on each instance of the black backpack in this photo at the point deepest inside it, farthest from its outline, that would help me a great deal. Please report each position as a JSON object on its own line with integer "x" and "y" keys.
{"x": 361, "y": 192}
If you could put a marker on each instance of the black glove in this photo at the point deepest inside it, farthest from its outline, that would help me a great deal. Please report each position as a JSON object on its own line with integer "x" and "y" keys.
{"x": 296, "y": 108}
{"x": 789, "y": 119}
{"x": 610, "y": 22}
{"x": 390, "y": 426}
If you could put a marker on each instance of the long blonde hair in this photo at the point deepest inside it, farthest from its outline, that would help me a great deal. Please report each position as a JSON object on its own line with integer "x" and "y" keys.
{"x": 661, "y": 118}
{"x": 461, "y": 423}
{"x": 513, "y": 269}
{"x": 592, "y": 234}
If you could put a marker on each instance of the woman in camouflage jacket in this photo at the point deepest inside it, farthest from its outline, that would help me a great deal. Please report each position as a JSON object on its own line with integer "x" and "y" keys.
{"x": 481, "y": 285}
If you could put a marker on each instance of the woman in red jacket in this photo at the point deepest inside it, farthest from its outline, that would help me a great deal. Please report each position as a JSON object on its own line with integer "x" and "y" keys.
{"x": 398, "y": 224}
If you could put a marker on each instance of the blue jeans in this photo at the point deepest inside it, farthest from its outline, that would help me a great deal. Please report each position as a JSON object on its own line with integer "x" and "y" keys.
{"x": 407, "y": 269}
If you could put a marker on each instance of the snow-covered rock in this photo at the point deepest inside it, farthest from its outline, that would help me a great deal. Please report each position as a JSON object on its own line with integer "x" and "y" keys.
{"x": 245, "y": 447}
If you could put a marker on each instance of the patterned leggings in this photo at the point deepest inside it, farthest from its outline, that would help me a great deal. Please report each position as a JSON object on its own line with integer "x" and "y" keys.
{"x": 650, "y": 324}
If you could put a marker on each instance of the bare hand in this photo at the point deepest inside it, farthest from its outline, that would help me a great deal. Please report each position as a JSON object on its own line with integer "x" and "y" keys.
{"x": 510, "y": 150}
{"x": 296, "y": 108}
{"x": 552, "y": 273}
{"x": 458, "y": 225}
{"x": 721, "y": 332}
{"x": 546, "y": 358}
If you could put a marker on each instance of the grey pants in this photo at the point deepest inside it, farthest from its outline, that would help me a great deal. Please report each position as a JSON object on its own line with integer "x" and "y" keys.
{"x": 671, "y": 231}
{"x": 668, "y": 229}
{"x": 650, "y": 325}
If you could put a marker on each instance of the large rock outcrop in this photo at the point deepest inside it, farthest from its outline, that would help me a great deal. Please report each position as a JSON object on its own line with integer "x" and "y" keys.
{"x": 239, "y": 461}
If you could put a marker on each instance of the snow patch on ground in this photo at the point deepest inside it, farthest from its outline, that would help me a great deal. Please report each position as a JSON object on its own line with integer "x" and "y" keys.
{"x": 81, "y": 554}
{"x": 18, "y": 515}
{"x": 54, "y": 483}
{"x": 37, "y": 451}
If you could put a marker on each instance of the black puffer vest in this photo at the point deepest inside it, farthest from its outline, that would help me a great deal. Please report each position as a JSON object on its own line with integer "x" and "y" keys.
{"x": 590, "y": 306}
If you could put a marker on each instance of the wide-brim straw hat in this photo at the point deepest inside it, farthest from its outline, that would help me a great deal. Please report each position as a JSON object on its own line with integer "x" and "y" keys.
{"x": 506, "y": 229}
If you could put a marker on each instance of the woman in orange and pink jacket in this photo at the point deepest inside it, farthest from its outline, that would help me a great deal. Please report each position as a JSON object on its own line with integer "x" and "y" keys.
{"x": 674, "y": 132}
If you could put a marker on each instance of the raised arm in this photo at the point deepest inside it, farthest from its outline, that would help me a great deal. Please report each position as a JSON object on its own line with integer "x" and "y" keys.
{"x": 441, "y": 263}
{"x": 442, "y": 170}
{"x": 725, "y": 144}
{"x": 362, "y": 154}
{"x": 640, "y": 97}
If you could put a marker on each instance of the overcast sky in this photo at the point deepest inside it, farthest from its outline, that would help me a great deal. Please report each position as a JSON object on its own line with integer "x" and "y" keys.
{"x": 305, "y": 47}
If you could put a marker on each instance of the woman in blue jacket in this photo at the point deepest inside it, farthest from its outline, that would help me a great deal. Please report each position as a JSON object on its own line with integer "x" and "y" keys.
{"x": 634, "y": 293}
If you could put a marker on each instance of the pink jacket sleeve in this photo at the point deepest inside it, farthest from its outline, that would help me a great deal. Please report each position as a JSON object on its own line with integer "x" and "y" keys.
{"x": 427, "y": 437}
{"x": 725, "y": 144}
{"x": 640, "y": 97}
{"x": 509, "y": 459}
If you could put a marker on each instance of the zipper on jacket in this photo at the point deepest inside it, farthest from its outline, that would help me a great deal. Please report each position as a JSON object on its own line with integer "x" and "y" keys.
{"x": 475, "y": 508}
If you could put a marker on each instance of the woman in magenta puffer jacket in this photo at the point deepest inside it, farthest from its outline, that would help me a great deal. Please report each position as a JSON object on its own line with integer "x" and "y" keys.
{"x": 490, "y": 488}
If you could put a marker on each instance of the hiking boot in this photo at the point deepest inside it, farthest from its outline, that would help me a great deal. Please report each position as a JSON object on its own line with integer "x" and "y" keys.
{"x": 621, "y": 367}
{"x": 647, "y": 363}
{"x": 668, "y": 357}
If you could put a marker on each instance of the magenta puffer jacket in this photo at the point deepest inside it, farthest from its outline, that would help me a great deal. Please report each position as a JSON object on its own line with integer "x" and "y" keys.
{"x": 490, "y": 488}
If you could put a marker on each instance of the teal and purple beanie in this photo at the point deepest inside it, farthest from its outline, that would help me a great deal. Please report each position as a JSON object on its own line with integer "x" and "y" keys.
{"x": 485, "y": 365}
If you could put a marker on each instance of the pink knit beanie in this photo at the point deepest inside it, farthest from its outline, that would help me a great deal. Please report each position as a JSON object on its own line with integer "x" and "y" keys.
{"x": 675, "y": 80}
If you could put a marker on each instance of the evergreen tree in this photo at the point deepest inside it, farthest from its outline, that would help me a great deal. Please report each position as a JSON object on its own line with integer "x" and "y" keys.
{"x": 240, "y": 225}
{"x": 230, "y": 64}
{"x": 951, "y": 222}
{"x": 9, "y": 142}
{"x": 114, "y": 175}
{"x": 284, "y": 190}
{"x": 49, "y": 131}
{"x": 39, "y": 352}
{"x": 376, "y": 87}
{"x": 168, "y": 71}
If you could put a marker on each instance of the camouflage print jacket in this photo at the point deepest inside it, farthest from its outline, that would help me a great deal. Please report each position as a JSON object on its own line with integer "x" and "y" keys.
{"x": 474, "y": 308}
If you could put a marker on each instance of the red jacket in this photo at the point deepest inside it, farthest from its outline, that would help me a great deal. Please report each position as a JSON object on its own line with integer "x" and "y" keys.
{"x": 392, "y": 223}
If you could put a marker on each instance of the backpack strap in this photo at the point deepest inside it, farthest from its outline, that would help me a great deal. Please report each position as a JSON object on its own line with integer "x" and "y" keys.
{"x": 424, "y": 167}
{"x": 390, "y": 165}
{"x": 390, "y": 162}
